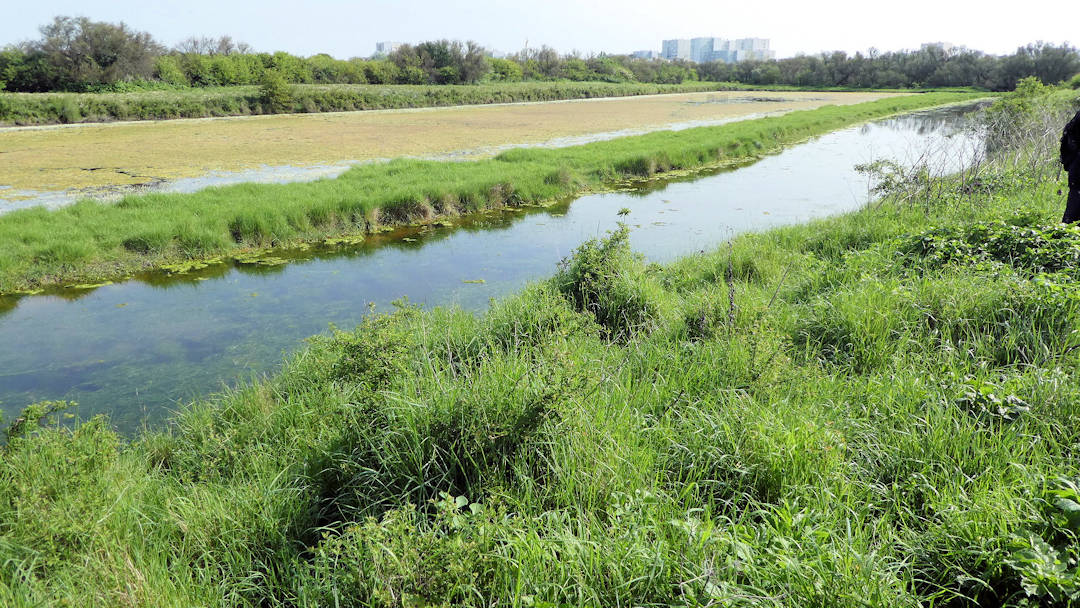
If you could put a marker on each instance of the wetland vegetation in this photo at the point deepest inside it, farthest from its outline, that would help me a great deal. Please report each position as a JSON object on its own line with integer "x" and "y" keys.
{"x": 872, "y": 409}
{"x": 180, "y": 356}
{"x": 89, "y": 242}
{"x": 56, "y": 164}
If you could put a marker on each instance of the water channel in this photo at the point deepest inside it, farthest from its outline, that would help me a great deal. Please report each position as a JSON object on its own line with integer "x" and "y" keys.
{"x": 138, "y": 349}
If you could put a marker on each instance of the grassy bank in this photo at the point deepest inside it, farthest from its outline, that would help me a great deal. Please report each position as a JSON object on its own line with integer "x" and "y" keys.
{"x": 90, "y": 242}
{"x": 55, "y": 108}
{"x": 876, "y": 409}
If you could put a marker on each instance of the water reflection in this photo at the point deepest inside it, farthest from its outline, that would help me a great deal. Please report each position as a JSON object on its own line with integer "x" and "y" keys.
{"x": 136, "y": 348}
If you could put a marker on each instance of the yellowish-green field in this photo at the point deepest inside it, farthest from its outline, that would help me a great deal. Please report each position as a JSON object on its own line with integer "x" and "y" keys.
{"x": 84, "y": 156}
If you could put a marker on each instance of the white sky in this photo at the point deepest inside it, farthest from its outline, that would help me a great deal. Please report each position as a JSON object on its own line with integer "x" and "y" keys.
{"x": 347, "y": 29}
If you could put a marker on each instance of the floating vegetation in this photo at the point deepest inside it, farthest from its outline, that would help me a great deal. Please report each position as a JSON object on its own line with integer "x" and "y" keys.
{"x": 89, "y": 285}
{"x": 352, "y": 239}
{"x": 475, "y": 281}
{"x": 190, "y": 265}
{"x": 259, "y": 259}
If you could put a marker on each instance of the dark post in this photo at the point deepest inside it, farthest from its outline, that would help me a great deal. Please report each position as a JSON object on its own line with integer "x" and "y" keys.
{"x": 1070, "y": 159}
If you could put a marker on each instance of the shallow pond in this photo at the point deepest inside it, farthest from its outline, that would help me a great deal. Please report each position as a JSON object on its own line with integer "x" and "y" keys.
{"x": 136, "y": 350}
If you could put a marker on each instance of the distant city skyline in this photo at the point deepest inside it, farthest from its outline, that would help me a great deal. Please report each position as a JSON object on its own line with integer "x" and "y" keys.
{"x": 347, "y": 29}
{"x": 705, "y": 49}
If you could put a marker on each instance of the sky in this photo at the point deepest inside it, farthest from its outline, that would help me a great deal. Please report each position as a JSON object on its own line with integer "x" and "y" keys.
{"x": 351, "y": 29}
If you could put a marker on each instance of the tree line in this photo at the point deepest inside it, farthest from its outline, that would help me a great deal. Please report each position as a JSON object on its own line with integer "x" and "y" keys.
{"x": 78, "y": 54}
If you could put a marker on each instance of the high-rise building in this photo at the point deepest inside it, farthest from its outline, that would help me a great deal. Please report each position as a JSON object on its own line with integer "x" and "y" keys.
{"x": 701, "y": 49}
{"x": 753, "y": 48}
{"x": 707, "y": 49}
{"x": 645, "y": 55}
{"x": 676, "y": 49}
{"x": 385, "y": 48}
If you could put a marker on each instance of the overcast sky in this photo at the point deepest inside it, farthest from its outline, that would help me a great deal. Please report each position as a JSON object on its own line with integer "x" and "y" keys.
{"x": 349, "y": 29}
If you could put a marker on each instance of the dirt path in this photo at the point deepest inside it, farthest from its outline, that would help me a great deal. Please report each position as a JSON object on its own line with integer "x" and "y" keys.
{"x": 88, "y": 156}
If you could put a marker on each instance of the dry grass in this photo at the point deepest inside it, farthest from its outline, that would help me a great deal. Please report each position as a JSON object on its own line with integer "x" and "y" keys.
{"x": 82, "y": 156}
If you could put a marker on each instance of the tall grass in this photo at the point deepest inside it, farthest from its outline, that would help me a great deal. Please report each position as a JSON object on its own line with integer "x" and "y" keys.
{"x": 90, "y": 241}
{"x": 887, "y": 419}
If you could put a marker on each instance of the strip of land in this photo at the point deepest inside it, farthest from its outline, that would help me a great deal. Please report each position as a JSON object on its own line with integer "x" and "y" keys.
{"x": 90, "y": 242}
{"x": 101, "y": 155}
{"x": 202, "y": 102}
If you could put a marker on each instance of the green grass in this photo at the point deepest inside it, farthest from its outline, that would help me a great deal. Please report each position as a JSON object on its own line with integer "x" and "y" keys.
{"x": 53, "y": 108}
{"x": 89, "y": 241}
{"x": 885, "y": 417}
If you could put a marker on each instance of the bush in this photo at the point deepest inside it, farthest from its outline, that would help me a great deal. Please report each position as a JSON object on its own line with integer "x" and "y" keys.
{"x": 1035, "y": 249}
{"x": 606, "y": 279}
{"x": 276, "y": 92}
{"x": 374, "y": 354}
{"x": 407, "y": 558}
{"x": 168, "y": 69}
{"x": 504, "y": 70}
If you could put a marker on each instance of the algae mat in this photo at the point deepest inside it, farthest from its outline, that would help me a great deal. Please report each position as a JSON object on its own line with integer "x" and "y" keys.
{"x": 122, "y": 154}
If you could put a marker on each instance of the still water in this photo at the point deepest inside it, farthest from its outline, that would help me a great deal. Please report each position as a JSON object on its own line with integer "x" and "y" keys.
{"x": 138, "y": 349}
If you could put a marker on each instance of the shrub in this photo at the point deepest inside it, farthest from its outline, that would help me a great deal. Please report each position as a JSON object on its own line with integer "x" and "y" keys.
{"x": 276, "y": 92}
{"x": 606, "y": 279}
{"x": 68, "y": 110}
{"x": 374, "y": 354}
{"x": 1035, "y": 249}
{"x": 167, "y": 69}
{"x": 407, "y": 558}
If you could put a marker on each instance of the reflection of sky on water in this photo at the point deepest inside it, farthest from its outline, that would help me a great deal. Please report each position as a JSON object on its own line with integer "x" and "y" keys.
{"x": 137, "y": 348}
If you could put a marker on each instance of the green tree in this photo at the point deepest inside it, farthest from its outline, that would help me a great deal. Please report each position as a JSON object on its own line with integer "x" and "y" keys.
{"x": 505, "y": 70}
{"x": 276, "y": 92}
{"x": 167, "y": 68}
{"x": 82, "y": 53}
{"x": 608, "y": 69}
{"x": 379, "y": 71}
{"x": 12, "y": 64}
{"x": 474, "y": 63}
{"x": 574, "y": 68}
